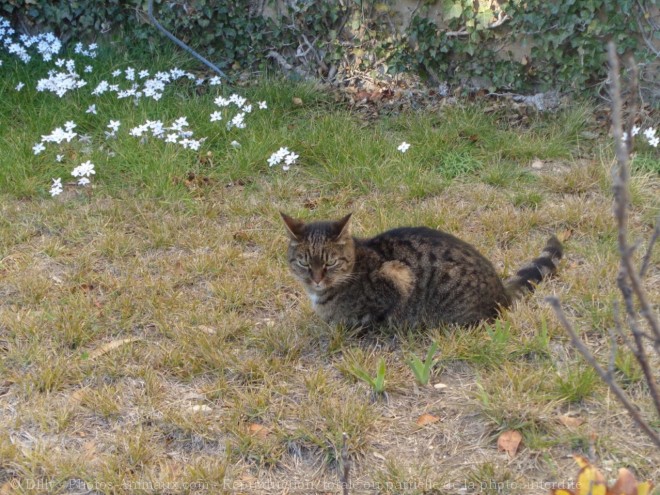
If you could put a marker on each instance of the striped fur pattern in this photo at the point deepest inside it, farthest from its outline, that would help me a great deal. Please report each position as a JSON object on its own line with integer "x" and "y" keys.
{"x": 407, "y": 276}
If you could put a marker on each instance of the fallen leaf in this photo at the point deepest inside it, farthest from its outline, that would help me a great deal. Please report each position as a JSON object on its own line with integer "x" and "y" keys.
{"x": 258, "y": 430}
{"x": 626, "y": 484}
{"x": 440, "y": 386}
{"x": 379, "y": 456}
{"x": 509, "y": 442}
{"x": 537, "y": 164}
{"x": 570, "y": 421}
{"x": 297, "y": 101}
{"x": 426, "y": 419}
{"x": 111, "y": 346}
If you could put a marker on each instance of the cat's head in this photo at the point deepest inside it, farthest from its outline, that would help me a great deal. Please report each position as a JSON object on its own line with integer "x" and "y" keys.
{"x": 321, "y": 254}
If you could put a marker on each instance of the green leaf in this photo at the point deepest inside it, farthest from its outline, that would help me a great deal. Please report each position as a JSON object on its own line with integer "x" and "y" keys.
{"x": 451, "y": 10}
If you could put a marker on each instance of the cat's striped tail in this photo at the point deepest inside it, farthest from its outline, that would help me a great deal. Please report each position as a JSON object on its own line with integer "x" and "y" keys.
{"x": 532, "y": 273}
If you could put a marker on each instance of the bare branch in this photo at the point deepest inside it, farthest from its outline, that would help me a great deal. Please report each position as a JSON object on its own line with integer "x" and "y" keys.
{"x": 606, "y": 377}
{"x": 621, "y": 198}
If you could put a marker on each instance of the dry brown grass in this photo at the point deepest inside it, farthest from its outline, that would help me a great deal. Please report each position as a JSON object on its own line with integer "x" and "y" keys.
{"x": 227, "y": 381}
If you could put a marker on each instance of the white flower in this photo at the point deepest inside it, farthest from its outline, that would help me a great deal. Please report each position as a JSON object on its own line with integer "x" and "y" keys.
{"x": 247, "y": 108}
{"x": 143, "y": 73}
{"x": 85, "y": 169}
{"x": 221, "y": 102}
{"x": 38, "y": 148}
{"x": 91, "y": 109}
{"x": 635, "y": 130}
{"x": 83, "y": 181}
{"x": 58, "y": 135}
{"x": 88, "y": 68}
{"x": 237, "y": 121}
{"x": 20, "y": 86}
{"x": 235, "y": 144}
{"x": 215, "y": 80}
{"x": 172, "y": 137}
{"x": 70, "y": 125}
{"x": 116, "y": 73}
{"x": 56, "y": 187}
{"x": 403, "y": 147}
{"x": 130, "y": 74}
{"x": 179, "y": 124}
{"x": 101, "y": 88}
{"x": 237, "y": 100}
{"x": 283, "y": 154}
{"x": 291, "y": 158}
{"x": 215, "y": 116}
{"x": 654, "y": 141}
{"x": 263, "y": 105}
{"x": 59, "y": 158}
{"x": 199, "y": 82}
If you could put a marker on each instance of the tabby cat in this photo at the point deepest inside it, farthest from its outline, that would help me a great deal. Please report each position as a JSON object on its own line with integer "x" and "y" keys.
{"x": 407, "y": 276}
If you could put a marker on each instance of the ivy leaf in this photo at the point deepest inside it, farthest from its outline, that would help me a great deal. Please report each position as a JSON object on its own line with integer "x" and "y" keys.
{"x": 451, "y": 10}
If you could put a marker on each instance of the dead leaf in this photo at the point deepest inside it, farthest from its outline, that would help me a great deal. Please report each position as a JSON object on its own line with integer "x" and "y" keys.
{"x": 509, "y": 442}
{"x": 297, "y": 101}
{"x": 570, "y": 421}
{"x": 258, "y": 430}
{"x": 626, "y": 484}
{"x": 440, "y": 386}
{"x": 537, "y": 164}
{"x": 111, "y": 346}
{"x": 426, "y": 419}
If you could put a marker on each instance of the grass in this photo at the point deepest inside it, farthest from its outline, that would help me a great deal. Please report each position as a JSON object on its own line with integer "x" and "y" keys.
{"x": 221, "y": 375}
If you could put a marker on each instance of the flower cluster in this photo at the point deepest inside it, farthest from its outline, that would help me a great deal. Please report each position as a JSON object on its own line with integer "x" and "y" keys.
{"x": 283, "y": 154}
{"x": 58, "y": 135}
{"x": 84, "y": 171}
{"x": 242, "y": 105}
{"x": 649, "y": 134}
{"x": 47, "y": 45}
{"x": 179, "y": 132}
{"x": 68, "y": 75}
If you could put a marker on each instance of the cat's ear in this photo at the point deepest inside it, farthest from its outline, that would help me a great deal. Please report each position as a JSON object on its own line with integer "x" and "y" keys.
{"x": 343, "y": 227}
{"x": 293, "y": 227}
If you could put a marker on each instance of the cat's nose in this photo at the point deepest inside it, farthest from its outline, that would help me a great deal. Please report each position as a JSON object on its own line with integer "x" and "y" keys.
{"x": 317, "y": 276}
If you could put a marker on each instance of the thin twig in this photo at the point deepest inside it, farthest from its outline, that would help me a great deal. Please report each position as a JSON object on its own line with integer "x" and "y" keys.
{"x": 614, "y": 387}
{"x": 646, "y": 261}
{"x": 150, "y": 13}
{"x": 638, "y": 350}
{"x": 345, "y": 465}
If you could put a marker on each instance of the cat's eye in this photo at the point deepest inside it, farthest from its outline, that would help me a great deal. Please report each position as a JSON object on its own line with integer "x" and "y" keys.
{"x": 330, "y": 263}
{"x": 302, "y": 263}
